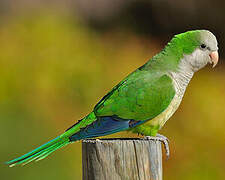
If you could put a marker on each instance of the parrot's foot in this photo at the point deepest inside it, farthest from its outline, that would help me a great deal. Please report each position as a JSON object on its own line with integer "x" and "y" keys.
{"x": 162, "y": 139}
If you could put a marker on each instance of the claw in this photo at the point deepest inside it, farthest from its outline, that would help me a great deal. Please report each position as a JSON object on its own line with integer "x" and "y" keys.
{"x": 162, "y": 139}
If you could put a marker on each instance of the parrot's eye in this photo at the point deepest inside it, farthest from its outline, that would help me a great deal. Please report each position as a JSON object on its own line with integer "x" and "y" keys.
{"x": 203, "y": 46}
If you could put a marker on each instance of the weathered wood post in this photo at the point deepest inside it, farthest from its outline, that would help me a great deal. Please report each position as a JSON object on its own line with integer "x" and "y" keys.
{"x": 122, "y": 159}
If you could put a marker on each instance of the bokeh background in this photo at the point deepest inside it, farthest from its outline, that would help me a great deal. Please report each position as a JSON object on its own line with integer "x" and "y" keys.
{"x": 58, "y": 58}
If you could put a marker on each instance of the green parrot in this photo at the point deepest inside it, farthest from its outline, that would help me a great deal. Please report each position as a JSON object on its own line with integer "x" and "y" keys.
{"x": 145, "y": 99}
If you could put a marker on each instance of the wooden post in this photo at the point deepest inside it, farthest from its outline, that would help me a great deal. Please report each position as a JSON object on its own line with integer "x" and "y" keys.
{"x": 122, "y": 159}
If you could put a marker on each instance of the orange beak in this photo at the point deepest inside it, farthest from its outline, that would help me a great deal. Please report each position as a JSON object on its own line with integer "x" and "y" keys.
{"x": 214, "y": 56}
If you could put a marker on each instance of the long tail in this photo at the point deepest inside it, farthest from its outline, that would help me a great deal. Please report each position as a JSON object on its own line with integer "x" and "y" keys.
{"x": 51, "y": 146}
{"x": 40, "y": 152}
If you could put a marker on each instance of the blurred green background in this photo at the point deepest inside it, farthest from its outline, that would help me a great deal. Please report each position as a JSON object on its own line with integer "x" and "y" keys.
{"x": 58, "y": 59}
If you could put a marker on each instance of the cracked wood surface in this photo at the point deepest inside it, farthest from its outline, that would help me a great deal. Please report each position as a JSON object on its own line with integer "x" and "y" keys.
{"x": 121, "y": 159}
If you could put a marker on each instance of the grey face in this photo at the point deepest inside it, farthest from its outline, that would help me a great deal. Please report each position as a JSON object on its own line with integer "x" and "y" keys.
{"x": 208, "y": 41}
{"x": 206, "y": 52}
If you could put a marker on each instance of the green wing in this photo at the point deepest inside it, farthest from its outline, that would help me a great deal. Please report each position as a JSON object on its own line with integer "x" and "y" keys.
{"x": 141, "y": 96}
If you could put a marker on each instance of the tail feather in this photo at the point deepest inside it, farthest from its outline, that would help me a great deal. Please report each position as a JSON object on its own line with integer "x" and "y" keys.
{"x": 51, "y": 146}
{"x": 40, "y": 152}
{"x": 44, "y": 155}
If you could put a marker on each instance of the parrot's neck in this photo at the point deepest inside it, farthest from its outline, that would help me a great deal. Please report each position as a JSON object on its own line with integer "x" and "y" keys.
{"x": 182, "y": 76}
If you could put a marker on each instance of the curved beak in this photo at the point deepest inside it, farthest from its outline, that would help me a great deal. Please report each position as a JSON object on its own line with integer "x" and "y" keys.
{"x": 214, "y": 56}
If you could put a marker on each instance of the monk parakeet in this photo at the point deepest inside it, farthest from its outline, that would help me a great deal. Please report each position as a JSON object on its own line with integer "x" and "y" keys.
{"x": 145, "y": 99}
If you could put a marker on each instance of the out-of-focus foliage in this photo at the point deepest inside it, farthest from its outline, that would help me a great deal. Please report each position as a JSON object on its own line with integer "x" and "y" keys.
{"x": 53, "y": 69}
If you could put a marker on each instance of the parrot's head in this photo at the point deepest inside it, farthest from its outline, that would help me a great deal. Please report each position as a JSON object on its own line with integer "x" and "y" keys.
{"x": 199, "y": 48}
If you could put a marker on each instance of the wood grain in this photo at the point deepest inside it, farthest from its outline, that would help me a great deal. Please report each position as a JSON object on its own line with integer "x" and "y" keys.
{"x": 122, "y": 159}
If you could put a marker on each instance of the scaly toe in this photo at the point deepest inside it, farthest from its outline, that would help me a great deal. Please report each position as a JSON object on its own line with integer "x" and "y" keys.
{"x": 162, "y": 139}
